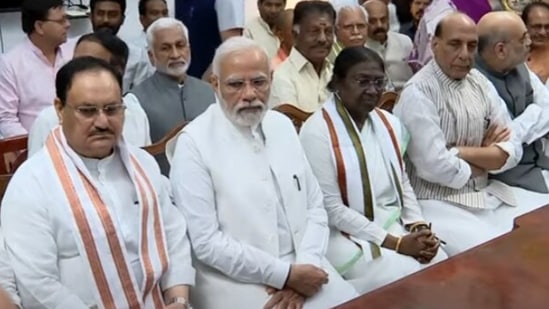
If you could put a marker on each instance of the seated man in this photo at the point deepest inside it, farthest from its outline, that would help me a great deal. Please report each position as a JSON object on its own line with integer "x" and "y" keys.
{"x": 257, "y": 223}
{"x": 99, "y": 229}
{"x": 536, "y": 17}
{"x": 351, "y": 29}
{"x": 261, "y": 28}
{"x": 283, "y": 31}
{"x": 170, "y": 97}
{"x": 417, "y": 8}
{"x": 502, "y": 51}
{"x": 27, "y": 71}
{"x": 106, "y": 46}
{"x": 149, "y": 12}
{"x": 110, "y": 15}
{"x": 459, "y": 133}
{"x": 375, "y": 212}
{"x": 7, "y": 280}
{"x": 393, "y": 47}
{"x": 301, "y": 79}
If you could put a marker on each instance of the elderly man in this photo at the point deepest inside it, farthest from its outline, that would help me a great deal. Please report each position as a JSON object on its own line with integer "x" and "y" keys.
{"x": 417, "y": 8}
{"x": 301, "y": 79}
{"x": 99, "y": 229}
{"x": 261, "y": 28}
{"x": 106, "y": 46}
{"x": 26, "y": 72}
{"x": 110, "y": 15}
{"x": 283, "y": 31}
{"x": 459, "y": 134}
{"x": 9, "y": 298}
{"x": 170, "y": 96}
{"x": 536, "y": 17}
{"x": 351, "y": 29}
{"x": 257, "y": 223}
{"x": 394, "y": 48}
{"x": 149, "y": 11}
{"x": 502, "y": 51}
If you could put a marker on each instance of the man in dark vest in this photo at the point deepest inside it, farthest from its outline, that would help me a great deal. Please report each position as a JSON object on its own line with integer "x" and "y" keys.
{"x": 170, "y": 97}
{"x": 502, "y": 51}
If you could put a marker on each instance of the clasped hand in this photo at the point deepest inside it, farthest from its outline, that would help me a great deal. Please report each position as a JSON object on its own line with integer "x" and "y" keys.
{"x": 422, "y": 245}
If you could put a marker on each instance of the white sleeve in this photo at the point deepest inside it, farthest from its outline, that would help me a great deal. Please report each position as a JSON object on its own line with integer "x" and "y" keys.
{"x": 316, "y": 145}
{"x": 7, "y": 277}
{"x": 180, "y": 270}
{"x": 230, "y": 14}
{"x": 40, "y": 129}
{"x": 194, "y": 195}
{"x": 283, "y": 91}
{"x": 136, "y": 123}
{"x": 32, "y": 247}
{"x": 427, "y": 149}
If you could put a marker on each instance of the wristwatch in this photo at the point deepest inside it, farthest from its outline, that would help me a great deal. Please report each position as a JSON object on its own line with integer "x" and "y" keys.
{"x": 180, "y": 300}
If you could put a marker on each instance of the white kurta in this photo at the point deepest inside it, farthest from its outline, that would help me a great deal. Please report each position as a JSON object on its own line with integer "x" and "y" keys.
{"x": 436, "y": 162}
{"x": 138, "y": 67}
{"x": 395, "y": 54}
{"x": 136, "y": 130}
{"x": 7, "y": 277}
{"x": 233, "y": 211}
{"x": 258, "y": 30}
{"x": 41, "y": 240}
{"x": 391, "y": 266}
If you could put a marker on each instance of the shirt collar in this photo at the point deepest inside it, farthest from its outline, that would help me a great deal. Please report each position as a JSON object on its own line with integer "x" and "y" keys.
{"x": 300, "y": 61}
{"x": 265, "y": 26}
{"x": 39, "y": 53}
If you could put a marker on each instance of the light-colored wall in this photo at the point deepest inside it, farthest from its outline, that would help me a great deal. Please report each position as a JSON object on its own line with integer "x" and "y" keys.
{"x": 10, "y": 23}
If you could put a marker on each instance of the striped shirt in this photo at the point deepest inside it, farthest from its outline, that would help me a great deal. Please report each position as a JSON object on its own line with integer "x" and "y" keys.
{"x": 442, "y": 113}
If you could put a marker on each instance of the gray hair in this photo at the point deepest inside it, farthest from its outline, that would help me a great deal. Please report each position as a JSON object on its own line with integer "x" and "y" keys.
{"x": 234, "y": 44}
{"x": 164, "y": 23}
{"x": 350, "y": 7}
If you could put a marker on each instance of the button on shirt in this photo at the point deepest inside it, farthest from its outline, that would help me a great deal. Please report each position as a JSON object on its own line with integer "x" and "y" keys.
{"x": 27, "y": 85}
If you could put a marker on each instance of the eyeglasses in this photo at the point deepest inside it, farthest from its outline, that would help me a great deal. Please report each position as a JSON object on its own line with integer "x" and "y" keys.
{"x": 378, "y": 83}
{"x": 238, "y": 85}
{"x": 92, "y": 111}
{"x": 62, "y": 21}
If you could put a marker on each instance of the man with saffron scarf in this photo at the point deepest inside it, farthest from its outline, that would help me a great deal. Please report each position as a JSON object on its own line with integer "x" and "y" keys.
{"x": 99, "y": 229}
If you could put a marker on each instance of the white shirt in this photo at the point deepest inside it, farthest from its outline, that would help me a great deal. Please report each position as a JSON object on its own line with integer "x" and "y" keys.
{"x": 258, "y": 30}
{"x": 394, "y": 53}
{"x": 41, "y": 241}
{"x": 316, "y": 143}
{"x": 138, "y": 67}
{"x": 230, "y": 14}
{"x": 394, "y": 23}
{"x": 296, "y": 82}
{"x": 7, "y": 278}
{"x": 135, "y": 131}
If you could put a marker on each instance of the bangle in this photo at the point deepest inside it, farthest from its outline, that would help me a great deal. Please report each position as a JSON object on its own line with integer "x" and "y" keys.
{"x": 398, "y": 244}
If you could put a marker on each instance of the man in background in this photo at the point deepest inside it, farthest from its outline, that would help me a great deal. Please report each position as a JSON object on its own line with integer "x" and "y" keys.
{"x": 261, "y": 27}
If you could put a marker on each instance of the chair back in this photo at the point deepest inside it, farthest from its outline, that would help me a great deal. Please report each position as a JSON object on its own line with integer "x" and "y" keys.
{"x": 297, "y": 115}
{"x": 388, "y": 100}
{"x": 160, "y": 146}
{"x": 17, "y": 146}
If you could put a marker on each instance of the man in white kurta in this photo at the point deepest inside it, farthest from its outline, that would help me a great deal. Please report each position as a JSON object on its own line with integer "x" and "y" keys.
{"x": 459, "y": 133}
{"x": 254, "y": 209}
{"x": 106, "y": 46}
{"x": 393, "y": 47}
{"x": 301, "y": 79}
{"x": 7, "y": 278}
{"x": 99, "y": 229}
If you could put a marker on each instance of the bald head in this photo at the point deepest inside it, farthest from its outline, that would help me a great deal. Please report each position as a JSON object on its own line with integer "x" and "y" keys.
{"x": 503, "y": 41}
{"x": 378, "y": 20}
{"x": 454, "y": 45}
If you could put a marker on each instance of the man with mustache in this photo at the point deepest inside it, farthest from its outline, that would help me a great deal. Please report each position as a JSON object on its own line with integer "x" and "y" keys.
{"x": 261, "y": 28}
{"x": 351, "y": 28}
{"x": 393, "y": 47}
{"x": 459, "y": 133}
{"x": 503, "y": 47}
{"x": 256, "y": 218}
{"x": 110, "y": 15}
{"x": 99, "y": 229}
{"x": 536, "y": 17}
{"x": 417, "y": 8}
{"x": 170, "y": 96}
{"x": 301, "y": 79}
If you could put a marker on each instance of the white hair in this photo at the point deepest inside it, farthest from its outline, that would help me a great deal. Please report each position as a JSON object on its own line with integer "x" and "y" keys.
{"x": 234, "y": 44}
{"x": 164, "y": 23}
{"x": 351, "y": 7}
